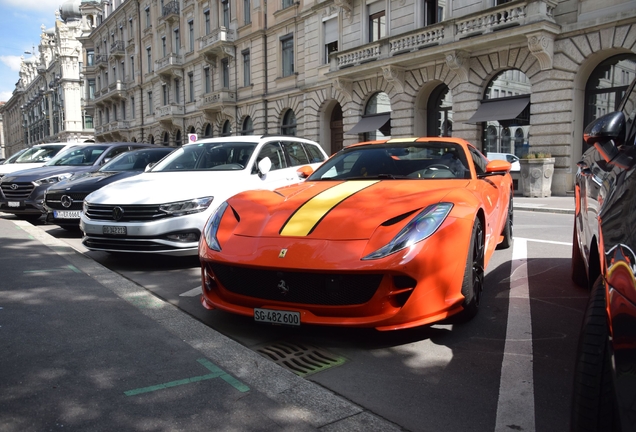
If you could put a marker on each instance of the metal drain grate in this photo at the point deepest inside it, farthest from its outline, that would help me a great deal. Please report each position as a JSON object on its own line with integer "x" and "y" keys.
{"x": 302, "y": 359}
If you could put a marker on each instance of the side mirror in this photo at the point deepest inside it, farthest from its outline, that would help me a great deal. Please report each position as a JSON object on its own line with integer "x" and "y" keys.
{"x": 305, "y": 171}
{"x": 498, "y": 166}
{"x": 608, "y": 127}
{"x": 264, "y": 165}
{"x": 149, "y": 166}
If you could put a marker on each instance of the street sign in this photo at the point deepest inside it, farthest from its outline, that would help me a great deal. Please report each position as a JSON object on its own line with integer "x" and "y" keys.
{"x": 192, "y": 138}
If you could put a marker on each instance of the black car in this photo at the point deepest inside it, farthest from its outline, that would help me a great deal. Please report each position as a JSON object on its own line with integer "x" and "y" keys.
{"x": 22, "y": 192}
{"x": 63, "y": 201}
{"x": 604, "y": 260}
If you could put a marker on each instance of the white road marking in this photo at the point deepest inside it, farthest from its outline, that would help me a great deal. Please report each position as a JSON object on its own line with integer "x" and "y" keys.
{"x": 191, "y": 293}
{"x": 543, "y": 241}
{"x": 515, "y": 407}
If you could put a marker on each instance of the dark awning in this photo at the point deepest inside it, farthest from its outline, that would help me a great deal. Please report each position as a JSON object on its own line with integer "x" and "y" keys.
{"x": 499, "y": 109}
{"x": 370, "y": 123}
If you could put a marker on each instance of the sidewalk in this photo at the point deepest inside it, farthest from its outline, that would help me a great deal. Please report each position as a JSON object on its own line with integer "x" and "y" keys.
{"x": 82, "y": 348}
{"x": 553, "y": 204}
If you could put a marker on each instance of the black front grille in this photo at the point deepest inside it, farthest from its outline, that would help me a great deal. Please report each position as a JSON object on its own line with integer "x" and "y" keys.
{"x": 126, "y": 213}
{"x": 54, "y": 200}
{"x": 17, "y": 191}
{"x": 329, "y": 289}
{"x": 125, "y": 245}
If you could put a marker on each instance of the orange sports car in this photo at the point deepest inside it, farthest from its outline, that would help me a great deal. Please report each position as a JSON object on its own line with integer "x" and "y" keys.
{"x": 387, "y": 234}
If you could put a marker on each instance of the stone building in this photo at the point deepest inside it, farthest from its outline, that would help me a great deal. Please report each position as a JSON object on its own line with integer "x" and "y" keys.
{"x": 46, "y": 105}
{"x": 509, "y": 76}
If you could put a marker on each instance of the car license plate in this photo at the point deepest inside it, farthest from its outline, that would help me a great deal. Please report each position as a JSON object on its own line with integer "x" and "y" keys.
{"x": 67, "y": 214}
{"x": 14, "y": 204}
{"x": 277, "y": 316}
{"x": 114, "y": 230}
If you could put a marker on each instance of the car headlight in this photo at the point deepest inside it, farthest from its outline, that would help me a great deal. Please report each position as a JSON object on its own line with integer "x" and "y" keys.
{"x": 180, "y": 208}
{"x": 419, "y": 228}
{"x": 212, "y": 226}
{"x": 53, "y": 179}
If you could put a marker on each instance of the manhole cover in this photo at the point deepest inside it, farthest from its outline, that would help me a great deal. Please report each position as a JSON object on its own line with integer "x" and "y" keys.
{"x": 300, "y": 358}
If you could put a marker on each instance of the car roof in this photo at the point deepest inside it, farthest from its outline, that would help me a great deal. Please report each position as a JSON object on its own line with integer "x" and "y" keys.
{"x": 250, "y": 138}
{"x": 452, "y": 140}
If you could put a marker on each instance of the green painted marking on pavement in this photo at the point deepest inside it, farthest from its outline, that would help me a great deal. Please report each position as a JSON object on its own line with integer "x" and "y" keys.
{"x": 75, "y": 269}
{"x": 216, "y": 373}
{"x": 53, "y": 270}
{"x": 224, "y": 375}
{"x": 170, "y": 384}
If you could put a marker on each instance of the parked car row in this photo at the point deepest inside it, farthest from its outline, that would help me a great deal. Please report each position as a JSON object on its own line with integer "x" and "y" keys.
{"x": 23, "y": 190}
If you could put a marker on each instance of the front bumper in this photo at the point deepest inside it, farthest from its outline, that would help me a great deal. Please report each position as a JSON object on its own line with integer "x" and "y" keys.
{"x": 146, "y": 237}
{"x": 29, "y": 203}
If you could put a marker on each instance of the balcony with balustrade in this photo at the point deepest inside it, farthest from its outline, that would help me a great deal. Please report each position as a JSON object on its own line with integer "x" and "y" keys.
{"x": 508, "y": 23}
{"x": 169, "y": 114}
{"x": 214, "y": 102}
{"x": 169, "y": 67}
{"x": 117, "y": 50}
{"x": 219, "y": 43}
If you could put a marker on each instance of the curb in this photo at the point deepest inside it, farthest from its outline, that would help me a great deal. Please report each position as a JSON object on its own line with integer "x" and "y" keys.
{"x": 543, "y": 209}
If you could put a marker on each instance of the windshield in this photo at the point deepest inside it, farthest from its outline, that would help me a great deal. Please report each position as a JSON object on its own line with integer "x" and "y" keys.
{"x": 78, "y": 156}
{"x": 412, "y": 160}
{"x": 216, "y": 156}
{"x": 39, "y": 154}
{"x": 12, "y": 158}
{"x": 135, "y": 160}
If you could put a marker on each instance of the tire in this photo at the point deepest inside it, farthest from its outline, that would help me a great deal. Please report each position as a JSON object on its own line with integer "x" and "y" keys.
{"x": 507, "y": 231}
{"x": 579, "y": 271}
{"x": 594, "y": 403}
{"x": 473, "y": 283}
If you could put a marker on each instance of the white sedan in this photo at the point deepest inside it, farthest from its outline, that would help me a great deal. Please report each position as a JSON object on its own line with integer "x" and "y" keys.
{"x": 163, "y": 210}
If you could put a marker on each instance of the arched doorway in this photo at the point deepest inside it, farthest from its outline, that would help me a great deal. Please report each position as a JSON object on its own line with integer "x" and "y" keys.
{"x": 335, "y": 126}
{"x": 375, "y": 123}
{"x": 177, "y": 139}
{"x": 166, "y": 139}
{"x": 248, "y": 126}
{"x": 226, "y": 130}
{"x": 208, "y": 131}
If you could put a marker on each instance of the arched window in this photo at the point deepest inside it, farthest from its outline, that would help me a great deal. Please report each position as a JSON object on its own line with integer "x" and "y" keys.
{"x": 166, "y": 138}
{"x": 506, "y": 104}
{"x": 227, "y": 128}
{"x": 151, "y": 139}
{"x": 379, "y": 105}
{"x": 440, "y": 112}
{"x": 208, "y": 131}
{"x": 248, "y": 126}
{"x": 177, "y": 139}
{"x": 606, "y": 87}
{"x": 289, "y": 123}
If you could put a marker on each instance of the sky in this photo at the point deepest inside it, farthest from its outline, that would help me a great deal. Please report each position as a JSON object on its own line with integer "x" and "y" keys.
{"x": 20, "y": 31}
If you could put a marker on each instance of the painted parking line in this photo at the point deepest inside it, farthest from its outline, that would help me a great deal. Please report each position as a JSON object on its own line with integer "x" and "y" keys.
{"x": 543, "y": 241}
{"x": 53, "y": 270}
{"x": 191, "y": 293}
{"x": 217, "y": 372}
{"x": 515, "y": 407}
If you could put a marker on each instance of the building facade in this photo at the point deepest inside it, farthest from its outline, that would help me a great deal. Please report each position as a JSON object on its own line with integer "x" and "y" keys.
{"x": 509, "y": 76}
{"x": 46, "y": 105}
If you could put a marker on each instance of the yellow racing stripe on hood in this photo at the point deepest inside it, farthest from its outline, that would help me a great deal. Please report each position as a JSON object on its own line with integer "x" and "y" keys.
{"x": 309, "y": 214}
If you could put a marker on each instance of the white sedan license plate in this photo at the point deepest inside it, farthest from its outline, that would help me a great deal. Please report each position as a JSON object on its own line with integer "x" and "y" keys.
{"x": 67, "y": 214}
{"x": 277, "y": 316}
{"x": 114, "y": 230}
{"x": 14, "y": 204}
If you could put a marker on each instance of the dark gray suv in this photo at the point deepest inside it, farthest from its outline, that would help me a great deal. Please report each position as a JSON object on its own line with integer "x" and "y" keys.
{"x": 22, "y": 192}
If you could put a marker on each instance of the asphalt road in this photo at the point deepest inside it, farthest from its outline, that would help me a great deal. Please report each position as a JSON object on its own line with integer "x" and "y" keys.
{"x": 442, "y": 377}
